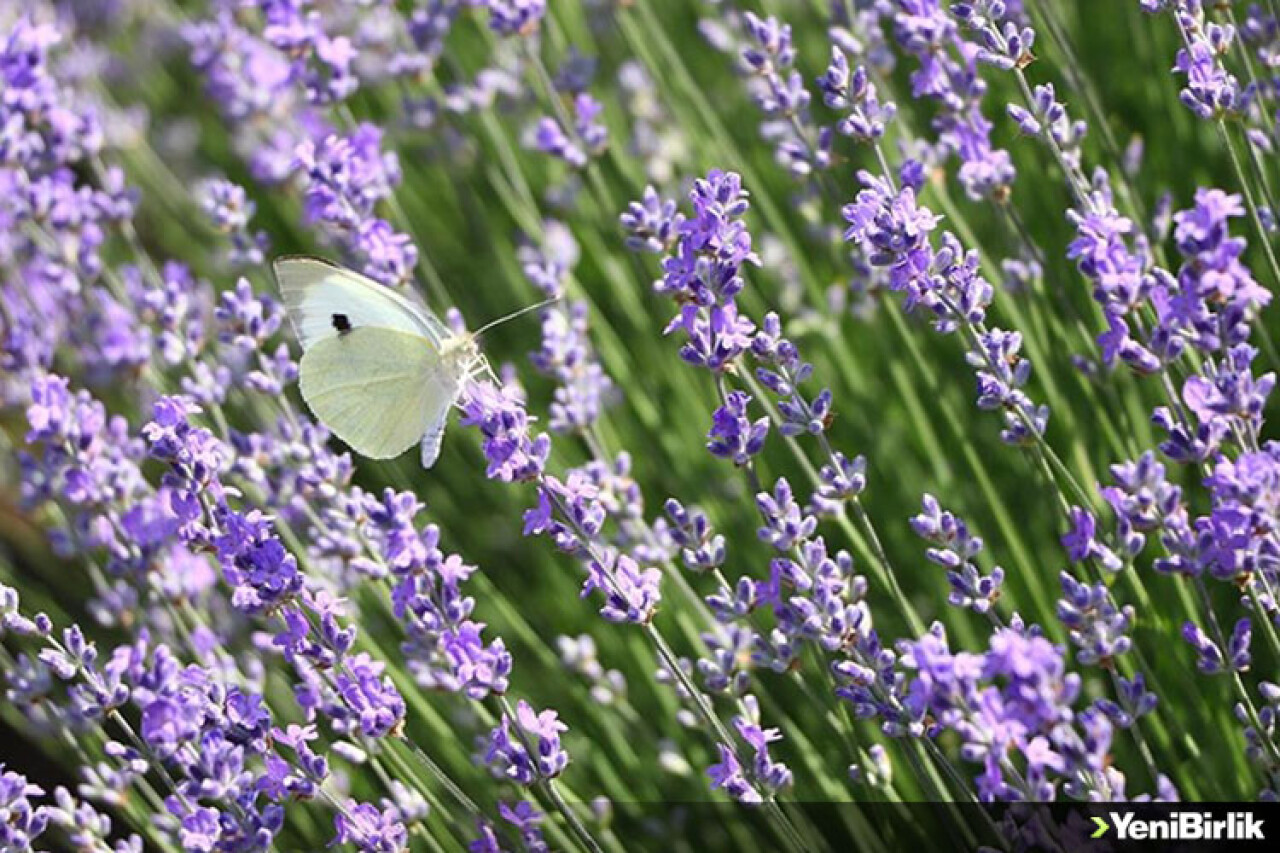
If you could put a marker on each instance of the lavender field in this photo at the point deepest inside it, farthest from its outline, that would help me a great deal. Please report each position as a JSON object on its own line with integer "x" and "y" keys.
{"x": 894, "y": 429}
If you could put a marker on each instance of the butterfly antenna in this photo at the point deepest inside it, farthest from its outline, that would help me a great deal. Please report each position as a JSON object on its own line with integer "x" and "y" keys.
{"x": 514, "y": 314}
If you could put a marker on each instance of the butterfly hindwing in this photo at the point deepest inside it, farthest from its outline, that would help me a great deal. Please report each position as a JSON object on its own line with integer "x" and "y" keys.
{"x": 325, "y": 301}
{"x": 434, "y": 436}
{"x": 375, "y": 388}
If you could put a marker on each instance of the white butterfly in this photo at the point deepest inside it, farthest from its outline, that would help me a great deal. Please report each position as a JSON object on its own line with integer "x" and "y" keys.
{"x": 381, "y": 372}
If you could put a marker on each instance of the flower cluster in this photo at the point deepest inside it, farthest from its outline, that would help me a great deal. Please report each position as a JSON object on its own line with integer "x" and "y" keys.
{"x": 1012, "y": 706}
{"x": 345, "y": 177}
{"x": 526, "y": 747}
{"x": 578, "y": 140}
{"x": 947, "y": 73}
{"x": 229, "y": 210}
{"x": 445, "y": 649}
{"x": 1210, "y": 90}
{"x": 854, "y": 94}
{"x": 954, "y": 548}
{"x": 567, "y": 355}
{"x": 895, "y": 232}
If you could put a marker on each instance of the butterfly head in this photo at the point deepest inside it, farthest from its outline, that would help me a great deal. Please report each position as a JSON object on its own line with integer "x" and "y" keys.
{"x": 462, "y": 354}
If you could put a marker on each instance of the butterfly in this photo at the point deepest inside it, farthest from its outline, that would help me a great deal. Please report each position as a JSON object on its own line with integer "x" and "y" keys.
{"x": 379, "y": 370}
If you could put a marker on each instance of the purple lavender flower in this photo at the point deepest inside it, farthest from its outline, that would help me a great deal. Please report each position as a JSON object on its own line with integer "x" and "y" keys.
{"x": 893, "y": 227}
{"x": 512, "y": 450}
{"x": 706, "y": 268}
{"x": 947, "y": 72}
{"x": 508, "y": 753}
{"x": 840, "y": 481}
{"x": 302, "y": 778}
{"x": 371, "y": 696}
{"x": 716, "y": 336}
{"x": 785, "y": 524}
{"x": 1001, "y": 373}
{"x": 550, "y": 138}
{"x": 242, "y": 73}
{"x": 724, "y": 668}
{"x": 955, "y": 549}
{"x": 1134, "y": 701}
{"x": 345, "y": 178}
{"x": 1142, "y": 499}
{"x": 515, "y": 17}
{"x": 568, "y": 357}
{"x": 1189, "y": 443}
{"x": 488, "y": 841}
{"x": 1013, "y": 701}
{"x": 728, "y": 774}
{"x": 782, "y": 371}
{"x": 1097, "y": 627}
{"x": 1237, "y": 539}
{"x": 525, "y": 819}
{"x": 1210, "y": 90}
{"x": 12, "y": 619}
{"x": 1215, "y": 296}
{"x": 229, "y": 210}
{"x": 45, "y": 122}
{"x": 86, "y": 827}
{"x": 855, "y": 94}
{"x": 895, "y": 232}
{"x": 868, "y": 677}
{"x": 733, "y": 434}
{"x": 1238, "y": 656}
{"x": 652, "y": 224}
{"x": 701, "y": 549}
{"x": 770, "y": 54}
{"x": 1102, "y": 253}
{"x": 1260, "y": 733}
{"x": 245, "y": 320}
{"x": 1233, "y": 398}
{"x": 370, "y": 829}
{"x": 769, "y": 775}
{"x": 549, "y": 264}
{"x": 200, "y": 829}
{"x": 255, "y": 562}
{"x": 23, "y": 822}
{"x": 568, "y": 510}
{"x": 389, "y": 255}
{"x": 576, "y": 145}
{"x": 1209, "y": 658}
{"x": 631, "y": 593}
{"x": 479, "y": 668}
{"x": 322, "y": 63}
{"x": 1082, "y": 543}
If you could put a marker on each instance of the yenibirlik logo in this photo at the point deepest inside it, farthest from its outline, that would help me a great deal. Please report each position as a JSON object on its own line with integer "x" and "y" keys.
{"x": 1182, "y": 826}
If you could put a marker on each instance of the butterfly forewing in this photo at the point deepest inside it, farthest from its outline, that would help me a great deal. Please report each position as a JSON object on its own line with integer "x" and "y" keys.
{"x": 325, "y": 301}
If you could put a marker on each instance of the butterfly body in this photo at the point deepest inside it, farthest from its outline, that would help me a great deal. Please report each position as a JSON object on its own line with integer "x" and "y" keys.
{"x": 380, "y": 371}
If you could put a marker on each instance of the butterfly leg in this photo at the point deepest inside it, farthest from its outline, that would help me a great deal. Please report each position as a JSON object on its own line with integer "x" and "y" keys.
{"x": 481, "y": 367}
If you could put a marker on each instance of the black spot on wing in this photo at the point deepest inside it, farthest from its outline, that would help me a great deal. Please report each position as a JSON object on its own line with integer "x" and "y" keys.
{"x": 342, "y": 323}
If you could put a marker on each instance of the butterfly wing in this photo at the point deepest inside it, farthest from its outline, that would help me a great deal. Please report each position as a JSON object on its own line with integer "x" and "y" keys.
{"x": 325, "y": 301}
{"x": 377, "y": 389}
{"x": 434, "y": 435}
